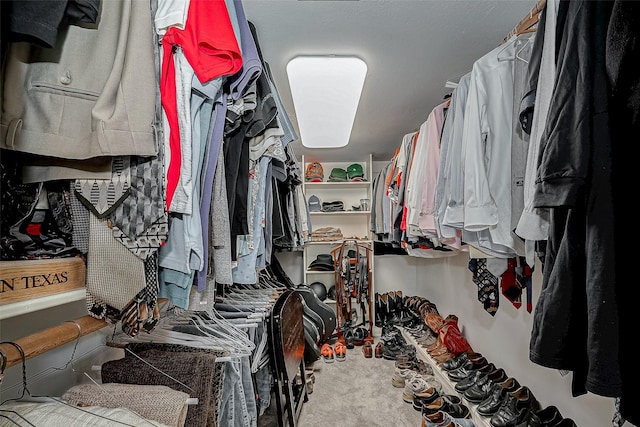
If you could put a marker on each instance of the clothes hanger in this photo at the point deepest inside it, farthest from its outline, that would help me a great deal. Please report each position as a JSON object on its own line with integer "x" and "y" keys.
{"x": 217, "y": 332}
{"x": 3, "y": 364}
{"x": 524, "y": 45}
{"x": 250, "y": 297}
{"x": 165, "y": 336}
{"x": 512, "y": 39}
{"x": 43, "y": 374}
{"x": 70, "y": 362}
{"x": 232, "y": 329}
{"x": 206, "y": 326}
{"x": 25, "y": 388}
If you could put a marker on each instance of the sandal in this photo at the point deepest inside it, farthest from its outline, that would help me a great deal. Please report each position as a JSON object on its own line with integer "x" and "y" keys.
{"x": 327, "y": 353}
{"x": 340, "y": 350}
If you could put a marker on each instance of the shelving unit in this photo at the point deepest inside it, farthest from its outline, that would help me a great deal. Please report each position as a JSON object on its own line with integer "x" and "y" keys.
{"x": 352, "y": 223}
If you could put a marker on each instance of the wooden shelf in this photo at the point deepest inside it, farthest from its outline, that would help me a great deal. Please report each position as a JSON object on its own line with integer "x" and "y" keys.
{"x": 338, "y": 184}
{"x": 333, "y": 242}
{"x": 35, "y": 304}
{"x": 341, "y": 213}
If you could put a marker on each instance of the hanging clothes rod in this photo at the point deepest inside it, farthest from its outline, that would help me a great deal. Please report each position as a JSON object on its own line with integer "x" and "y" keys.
{"x": 40, "y": 342}
{"x": 525, "y": 25}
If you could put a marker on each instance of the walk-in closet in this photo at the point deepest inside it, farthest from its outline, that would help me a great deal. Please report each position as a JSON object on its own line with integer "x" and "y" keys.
{"x": 300, "y": 213}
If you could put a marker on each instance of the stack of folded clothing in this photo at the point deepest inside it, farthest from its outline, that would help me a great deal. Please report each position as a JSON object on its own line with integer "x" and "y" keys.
{"x": 326, "y": 234}
{"x": 335, "y": 206}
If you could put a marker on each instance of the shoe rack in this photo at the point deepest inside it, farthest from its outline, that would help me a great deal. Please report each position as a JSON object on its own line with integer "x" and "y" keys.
{"x": 448, "y": 386}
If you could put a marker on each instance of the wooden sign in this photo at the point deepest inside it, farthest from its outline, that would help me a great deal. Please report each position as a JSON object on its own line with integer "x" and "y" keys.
{"x": 28, "y": 279}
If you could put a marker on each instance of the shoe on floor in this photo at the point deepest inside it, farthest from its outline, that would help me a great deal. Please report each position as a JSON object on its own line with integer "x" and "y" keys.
{"x": 340, "y": 351}
{"x": 327, "y": 353}
{"x": 367, "y": 349}
{"x": 379, "y": 349}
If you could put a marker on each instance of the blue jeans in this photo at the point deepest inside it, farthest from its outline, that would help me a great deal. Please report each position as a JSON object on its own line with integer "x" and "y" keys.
{"x": 238, "y": 406}
{"x": 263, "y": 375}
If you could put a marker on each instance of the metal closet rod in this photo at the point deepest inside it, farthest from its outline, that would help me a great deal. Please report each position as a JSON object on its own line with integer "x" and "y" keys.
{"x": 47, "y": 339}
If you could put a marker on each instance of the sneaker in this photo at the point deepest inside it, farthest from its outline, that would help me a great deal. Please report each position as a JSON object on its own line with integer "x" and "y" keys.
{"x": 423, "y": 368}
{"x": 419, "y": 384}
{"x": 401, "y": 376}
{"x": 402, "y": 360}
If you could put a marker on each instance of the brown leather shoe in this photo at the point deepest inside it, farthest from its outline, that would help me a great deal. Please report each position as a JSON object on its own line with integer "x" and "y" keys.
{"x": 436, "y": 346}
{"x": 441, "y": 358}
{"x": 367, "y": 349}
{"x": 379, "y": 349}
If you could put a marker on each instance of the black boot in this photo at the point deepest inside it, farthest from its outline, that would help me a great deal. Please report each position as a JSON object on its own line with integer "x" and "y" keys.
{"x": 407, "y": 317}
{"x": 380, "y": 310}
{"x": 405, "y": 314}
{"x": 383, "y": 308}
{"x": 393, "y": 308}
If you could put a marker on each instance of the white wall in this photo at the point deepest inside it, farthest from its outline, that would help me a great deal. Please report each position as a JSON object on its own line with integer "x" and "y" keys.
{"x": 503, "y": 339}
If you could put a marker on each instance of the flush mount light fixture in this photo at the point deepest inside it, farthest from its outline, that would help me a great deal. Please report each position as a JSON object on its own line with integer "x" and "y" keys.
{"x": 326, "y": 92}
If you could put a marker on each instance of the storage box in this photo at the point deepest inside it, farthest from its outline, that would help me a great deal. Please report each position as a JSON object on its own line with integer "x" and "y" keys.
{"x": 28, "y": 279}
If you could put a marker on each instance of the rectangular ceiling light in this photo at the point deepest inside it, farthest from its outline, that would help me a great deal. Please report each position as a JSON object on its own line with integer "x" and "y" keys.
{"x": 326, "y": 91}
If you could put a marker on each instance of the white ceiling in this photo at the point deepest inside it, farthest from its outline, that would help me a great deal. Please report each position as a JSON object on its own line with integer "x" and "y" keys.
{"x": 411, "y": 47}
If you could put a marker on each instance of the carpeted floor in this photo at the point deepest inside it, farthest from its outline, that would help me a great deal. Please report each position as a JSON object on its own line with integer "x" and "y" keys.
{"x": 355, "y": 392}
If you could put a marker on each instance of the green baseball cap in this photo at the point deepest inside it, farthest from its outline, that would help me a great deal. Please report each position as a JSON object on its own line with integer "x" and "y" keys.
{"x": 338, "y": 174}
{"x": 355, "y": 172}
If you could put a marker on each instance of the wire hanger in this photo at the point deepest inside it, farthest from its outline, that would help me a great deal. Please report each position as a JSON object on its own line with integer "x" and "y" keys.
{"x": 524, "y": 45}
{"x": 95, "y": 367}
{"x": 75, "y": 346}
{"x": 3, "y": 365}
{"x": 25, "y": 388}
{"x": 513, "y": 39}
{"x": 214, "y": 333}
